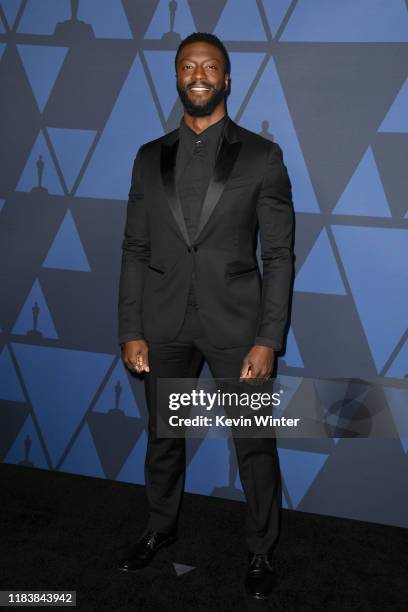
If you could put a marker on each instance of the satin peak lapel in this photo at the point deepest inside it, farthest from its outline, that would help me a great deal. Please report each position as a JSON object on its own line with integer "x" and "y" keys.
{"x": 224, "y": 163}
{"x": 168, "y": 168}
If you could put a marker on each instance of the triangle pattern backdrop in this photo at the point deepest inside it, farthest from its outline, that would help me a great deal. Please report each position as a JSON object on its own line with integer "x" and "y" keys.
{"x": 41, "y": 16}
{"x": 396, "y": 120}
{"x": 268, "y": 104}
{"x": 10, "y": 9}
{"x": 42, "y": 66}
{"x": 348, "y": 21}
{"x": 72, "y": 379}
{"x": 240, "y": 20}
{"x": 27, "y": 447}
{"x": 66, "y": 251}
{"x": 304, "y": 75}
{"x": 161, "y": 24}
{"x": 29, "y": 178}
{"x": 10, "y": 386}
{"x": 107, "y": 18}
{"x": 118, "y": 394}
{"x": 364, "y": 195}
{"x": 108, "y": 174}
{"x": 35, "y": 315}
{"x": 322, "y": 257}
{"x": 65, "y": 142}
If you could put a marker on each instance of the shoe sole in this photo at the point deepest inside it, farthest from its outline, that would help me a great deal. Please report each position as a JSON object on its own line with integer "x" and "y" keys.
{"x": 164, "y": 544}
{"x": 258, "y": 595}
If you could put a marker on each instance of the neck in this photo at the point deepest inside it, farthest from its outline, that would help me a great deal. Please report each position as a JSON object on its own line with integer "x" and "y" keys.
{"x": 199, "y": 124}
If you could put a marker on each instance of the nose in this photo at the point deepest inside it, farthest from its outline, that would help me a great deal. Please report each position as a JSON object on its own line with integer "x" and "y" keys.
{"x": 199, "y": 73}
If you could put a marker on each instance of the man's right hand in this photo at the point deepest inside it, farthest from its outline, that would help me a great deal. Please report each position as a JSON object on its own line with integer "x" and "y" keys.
{"x": 135, "y": 356}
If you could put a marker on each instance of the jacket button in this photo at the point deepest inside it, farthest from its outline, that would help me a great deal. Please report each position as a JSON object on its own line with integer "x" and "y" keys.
{"x": 195, "y": 249}
{"x": 189, "y": 249}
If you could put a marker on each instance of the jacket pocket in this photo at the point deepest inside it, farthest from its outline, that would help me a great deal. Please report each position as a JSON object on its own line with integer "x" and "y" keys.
{"x": 155, "y": 269}
{"x": 242, "y": 272}
{"x": 237, "y": 183}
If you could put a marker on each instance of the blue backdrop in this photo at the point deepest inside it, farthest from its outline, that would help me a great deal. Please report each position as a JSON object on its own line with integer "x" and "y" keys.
{"x": 84, "y": 84}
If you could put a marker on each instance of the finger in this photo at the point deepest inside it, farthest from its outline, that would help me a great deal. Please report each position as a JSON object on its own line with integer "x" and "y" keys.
{"x": 245, "y": 374}
{"x": 138, "y": 366}
{"x": 142, "y": 363}
{"x": 245, "y": 368}
{"x": 145, "y": 363}
{"x": 135, "y": 364}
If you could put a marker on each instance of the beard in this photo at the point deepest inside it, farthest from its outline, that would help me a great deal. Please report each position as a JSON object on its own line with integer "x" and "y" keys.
{"x": 201, "y": 110}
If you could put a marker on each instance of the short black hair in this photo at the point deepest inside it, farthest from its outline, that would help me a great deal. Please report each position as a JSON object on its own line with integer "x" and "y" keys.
{"x": 208, "y": 38}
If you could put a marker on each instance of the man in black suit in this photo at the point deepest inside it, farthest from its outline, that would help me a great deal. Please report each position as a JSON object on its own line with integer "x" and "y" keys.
{"x": 190, "y": 282}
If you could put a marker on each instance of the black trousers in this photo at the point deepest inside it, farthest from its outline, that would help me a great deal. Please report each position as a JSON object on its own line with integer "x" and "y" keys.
{"x": 165, "y": 462}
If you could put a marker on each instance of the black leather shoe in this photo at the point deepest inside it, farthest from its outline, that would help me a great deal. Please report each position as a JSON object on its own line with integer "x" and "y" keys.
{"x": 260, "y": 577}
{"x": 145, "y": 549}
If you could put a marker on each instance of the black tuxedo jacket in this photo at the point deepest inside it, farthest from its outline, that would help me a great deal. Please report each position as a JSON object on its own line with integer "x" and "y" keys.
{"x": 249, "y": 190}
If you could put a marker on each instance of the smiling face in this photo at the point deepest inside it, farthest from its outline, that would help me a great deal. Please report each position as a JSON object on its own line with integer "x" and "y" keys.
{"x": 201, "y": 78}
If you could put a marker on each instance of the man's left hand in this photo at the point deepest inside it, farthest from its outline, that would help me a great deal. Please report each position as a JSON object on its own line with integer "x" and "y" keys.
{"x": 257, "y": 365}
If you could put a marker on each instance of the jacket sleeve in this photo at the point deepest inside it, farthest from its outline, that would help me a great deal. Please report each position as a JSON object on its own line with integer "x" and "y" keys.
{"x": 135, "y": 257}
{"x": 276, "y": 220}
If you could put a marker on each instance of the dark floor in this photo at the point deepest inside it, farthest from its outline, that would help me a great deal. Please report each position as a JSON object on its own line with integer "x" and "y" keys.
{"x": 60, "y": 531}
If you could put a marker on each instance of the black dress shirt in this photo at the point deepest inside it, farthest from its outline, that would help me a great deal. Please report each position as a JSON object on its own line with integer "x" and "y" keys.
{"x": 195, "y": 161}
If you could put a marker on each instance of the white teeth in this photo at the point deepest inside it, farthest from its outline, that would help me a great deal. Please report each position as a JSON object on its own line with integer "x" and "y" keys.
{"x": 200, "y": 88}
